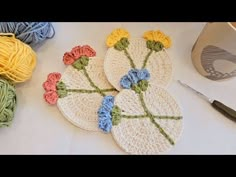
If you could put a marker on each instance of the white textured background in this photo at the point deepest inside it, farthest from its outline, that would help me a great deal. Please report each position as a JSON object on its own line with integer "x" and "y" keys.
{"x": 41, "y": 129}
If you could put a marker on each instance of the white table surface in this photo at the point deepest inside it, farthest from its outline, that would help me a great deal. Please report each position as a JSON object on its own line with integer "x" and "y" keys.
{"x": 41, "y": 129}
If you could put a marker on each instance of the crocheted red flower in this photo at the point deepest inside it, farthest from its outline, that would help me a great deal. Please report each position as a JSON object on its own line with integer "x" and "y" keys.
{"x": 50, "y": 83}
{"x": 51, "y": 97}
{"x": 88, "y": 51}
{"x": 54, "y": 77}
{"x": 77, "y": 52}
{"x": 68, "y": 58}
{"x": 49, "y": 86}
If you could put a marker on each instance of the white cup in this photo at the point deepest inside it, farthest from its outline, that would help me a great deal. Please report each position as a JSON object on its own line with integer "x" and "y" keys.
{"x": 214, "y": 52}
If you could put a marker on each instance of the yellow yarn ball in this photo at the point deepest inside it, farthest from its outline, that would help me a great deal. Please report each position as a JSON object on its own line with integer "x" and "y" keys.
{"x": 17, "y": 59}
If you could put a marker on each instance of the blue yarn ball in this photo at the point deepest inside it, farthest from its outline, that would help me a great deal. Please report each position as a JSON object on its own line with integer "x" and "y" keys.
{"x": 31, "y": 33}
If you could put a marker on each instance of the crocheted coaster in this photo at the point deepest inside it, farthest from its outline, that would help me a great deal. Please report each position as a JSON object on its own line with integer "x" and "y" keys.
{"x": 144, "y": 119}
{"x": 81, "y": 88}
{"x": 151, "y": 126}
{"x": 138, "y": 53}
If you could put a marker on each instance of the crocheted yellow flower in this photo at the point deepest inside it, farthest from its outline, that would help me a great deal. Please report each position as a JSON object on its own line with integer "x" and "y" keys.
{"x": 158, "y": 36}
{"x": 116, "y": 36}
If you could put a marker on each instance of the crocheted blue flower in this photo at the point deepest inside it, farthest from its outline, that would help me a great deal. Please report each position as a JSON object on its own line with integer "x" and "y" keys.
{"x": 105, "y": 123}
{"x": 133, "y": 76}
{"x": 108, "y": 102}
{"x": 103, "y": 111}
{"x": 104, "y": 114}
{"x": 125, "y": 82}
{"x": 143, "y": 74}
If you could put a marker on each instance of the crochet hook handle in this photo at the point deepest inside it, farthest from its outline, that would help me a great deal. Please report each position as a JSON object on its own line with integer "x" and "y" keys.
{"x": 227, "y": 111}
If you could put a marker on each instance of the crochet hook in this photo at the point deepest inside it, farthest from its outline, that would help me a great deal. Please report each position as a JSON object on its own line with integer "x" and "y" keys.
{"x": 219, "y": 106}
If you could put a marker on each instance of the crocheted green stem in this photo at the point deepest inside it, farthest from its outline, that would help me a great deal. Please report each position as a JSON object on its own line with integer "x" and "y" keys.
{"x": 92, "y": 83}
{"x": 133, "y": 116}
{"x": 130, "y": 59}
{"x": 146, "y": 59}
{"x": 145, "y": 116}
{"x": 89, "y": 91}
{"x": 152, "y": 118}
{"x": 162, "y": 131}
{"x": 169, "y": 117}
{"x": 143, "y": 104}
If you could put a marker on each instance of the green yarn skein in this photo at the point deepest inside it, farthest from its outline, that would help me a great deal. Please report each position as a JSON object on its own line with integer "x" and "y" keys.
{"x": 7, "y": 102}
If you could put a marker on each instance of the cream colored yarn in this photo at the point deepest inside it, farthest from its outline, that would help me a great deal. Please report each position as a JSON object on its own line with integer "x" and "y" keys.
{"x": 117, "y": 65}
{"x": 81, "y": 108}
{"x": 140, "y": 136}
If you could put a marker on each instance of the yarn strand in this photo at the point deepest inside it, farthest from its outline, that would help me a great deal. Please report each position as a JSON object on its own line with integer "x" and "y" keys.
{"x": 7, "y": 102}
{"x": 31, "y": 33}
{"x": 154, "y": 116}
{"x": 152, "y": 119}
{"x": 17, "y": 59}
{"x": 90, "y": 91}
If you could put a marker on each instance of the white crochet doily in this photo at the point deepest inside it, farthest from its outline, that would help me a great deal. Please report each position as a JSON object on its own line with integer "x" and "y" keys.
{"x": 117, "y": 65}
{"x": 140, "y": 135}
{"x": 81, "y": 108}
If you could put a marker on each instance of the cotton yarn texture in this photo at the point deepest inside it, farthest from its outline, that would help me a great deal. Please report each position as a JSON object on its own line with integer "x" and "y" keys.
{"x": 148, "y": 53}
{"x": 17, "y": 59}
{"x": 81, "y": 108}
{"x": 117, "y": 65}
{"x": 7, "y": 102}
{"x": 31, "y": 33}
{"x": 141, "y": 136}
{"x": 79, "y": 91}
{"x": 145, "y": 117}
{"x": 17, "y": 62}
